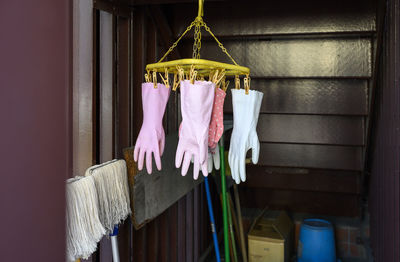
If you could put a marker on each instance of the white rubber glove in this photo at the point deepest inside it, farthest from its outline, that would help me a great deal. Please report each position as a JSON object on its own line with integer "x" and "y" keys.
{"x": 246, "y": 109}
{"x": 213, "y": 160}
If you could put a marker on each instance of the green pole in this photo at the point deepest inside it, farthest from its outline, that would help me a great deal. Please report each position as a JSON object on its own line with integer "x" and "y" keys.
{"x": 224, "y": 200}
{"x": 235, "y": 258}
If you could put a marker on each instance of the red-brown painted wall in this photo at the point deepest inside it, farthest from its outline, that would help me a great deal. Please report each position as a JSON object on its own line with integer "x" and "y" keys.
{"x": 35, "y": 42}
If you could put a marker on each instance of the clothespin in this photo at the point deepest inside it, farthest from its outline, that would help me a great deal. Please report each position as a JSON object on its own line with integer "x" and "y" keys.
{"x": 237, "y": 82}
{"x": 247, "y": 84}
{"x": 192, "y": 74}
{"x": 181, "y": 73}
{"x": 220, "y": 76}
{"x": 210, "y": 76}
{"x": 224, "y": 84}
{"x": 166, "y": 80}
{"x": 215, "y": 77}
{"x": 147, "y": 77}
{"x": 155, "y": 79}
{"x": 176, "y": 82}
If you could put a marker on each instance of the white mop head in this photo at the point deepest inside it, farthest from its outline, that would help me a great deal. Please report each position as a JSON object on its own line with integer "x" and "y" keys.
{"x": 84, "y": 228}
{"x": 111, "y": 179}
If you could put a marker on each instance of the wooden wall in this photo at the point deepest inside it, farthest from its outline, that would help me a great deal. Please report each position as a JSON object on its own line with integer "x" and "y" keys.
{"x": 384, "y": 154}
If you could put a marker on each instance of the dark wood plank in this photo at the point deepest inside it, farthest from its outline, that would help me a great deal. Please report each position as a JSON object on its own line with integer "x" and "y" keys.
{"x": 164, "y": 227}
{"x": 311, "y": 156}
{"x": 152, "y": 253}
{"x": 315, "y": 129}
{"x": 196, "y": 223}
{"x": 152, "y": 194}
{"x": 189, "y": 227}
{"x": 347, "y": 182}
{"x": 173, "y": 235}
{"x": 138, "y": 49}
{"x": 181, "y": 230}
{"x": 301, "y": 201}
{"x": 310, "y": 96}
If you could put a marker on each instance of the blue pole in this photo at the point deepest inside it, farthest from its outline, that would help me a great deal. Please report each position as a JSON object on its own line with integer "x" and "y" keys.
{"x": 210, "y": 211}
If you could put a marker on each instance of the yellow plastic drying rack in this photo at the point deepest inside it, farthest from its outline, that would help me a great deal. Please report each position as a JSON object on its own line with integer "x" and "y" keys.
{"x": 202, "y": 66}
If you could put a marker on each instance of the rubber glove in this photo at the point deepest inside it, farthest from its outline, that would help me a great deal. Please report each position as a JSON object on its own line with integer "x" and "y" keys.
{"x": 196, "y": 106}
{"x": 246, "y": 109}
{"x": 213, "y": 160}
{"x": 217, "y": 119}
{"x": 151, "y": 137}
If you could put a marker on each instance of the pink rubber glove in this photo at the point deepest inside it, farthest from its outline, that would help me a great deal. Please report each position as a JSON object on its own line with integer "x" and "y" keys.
{"x": 151, "y": 138}
{"x": 196, "y": 106}
{"x": 217, "y": 120}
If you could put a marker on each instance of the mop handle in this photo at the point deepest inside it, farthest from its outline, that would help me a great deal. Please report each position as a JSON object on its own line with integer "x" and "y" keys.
{"x": 210, "y": 211}
{"x": 114, "y": 244}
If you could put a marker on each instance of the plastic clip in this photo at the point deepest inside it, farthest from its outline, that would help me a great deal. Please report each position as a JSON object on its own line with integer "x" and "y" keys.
{"x": 237, "y": 82}
{"x": 247, "y": 84}
{"x": 155, "y": 79}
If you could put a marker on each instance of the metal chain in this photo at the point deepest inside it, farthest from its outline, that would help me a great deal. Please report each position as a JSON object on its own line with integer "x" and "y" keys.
{"x": 177, "y": 41}
{"x": 197, "y": 40}
{"x": 198, "y": 23}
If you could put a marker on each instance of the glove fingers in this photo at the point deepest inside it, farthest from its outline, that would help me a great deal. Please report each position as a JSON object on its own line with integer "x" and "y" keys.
{"x": 161, "y": 145}
{"x": 204, "y": 169}
{"x": 141, "y": 158}
{"x": 255, "y": 150}
{"x": 203, "y": 152}
{"x": 196, "y": 167}
{"x": 136, "y": 152}
{"x": 236, "y": 170}
{"x": 216, "y": 159}
{"x": 149, "y": 166}
{"x": 178, "y": 156}
{"x": 186, "y": 163}
{"x": 157, "y": 159}
{"x": 209, "y": 163}
{"x": 242, "y": 168}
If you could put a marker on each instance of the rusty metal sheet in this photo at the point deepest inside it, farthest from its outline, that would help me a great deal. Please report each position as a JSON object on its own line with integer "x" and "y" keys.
{"x": 313, "y": 129}
{"x": 311, "y": 156}
{"x": 304, "y": 58}
{"x": 281, "y": 17}
{"x": 310, "y": 96}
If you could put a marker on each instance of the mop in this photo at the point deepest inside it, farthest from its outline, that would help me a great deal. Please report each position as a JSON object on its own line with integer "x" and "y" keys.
{"x": 84, "y": 228}
{"x": 111, "y": 182}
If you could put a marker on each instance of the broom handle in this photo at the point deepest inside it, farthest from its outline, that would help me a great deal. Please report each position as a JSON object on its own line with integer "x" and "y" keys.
{"x": 211, "y": 213}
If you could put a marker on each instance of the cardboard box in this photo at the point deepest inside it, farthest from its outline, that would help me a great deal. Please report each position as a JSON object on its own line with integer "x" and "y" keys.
{"x": 270, "y": 240}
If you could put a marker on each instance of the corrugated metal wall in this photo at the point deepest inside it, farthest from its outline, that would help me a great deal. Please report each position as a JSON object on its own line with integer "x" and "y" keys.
{"x": 385, "y": 155}
{"x": 313, "y": 61}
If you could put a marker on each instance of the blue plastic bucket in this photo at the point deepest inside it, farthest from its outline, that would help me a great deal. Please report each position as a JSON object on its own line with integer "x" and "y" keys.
{"x": 316, "y": 241}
